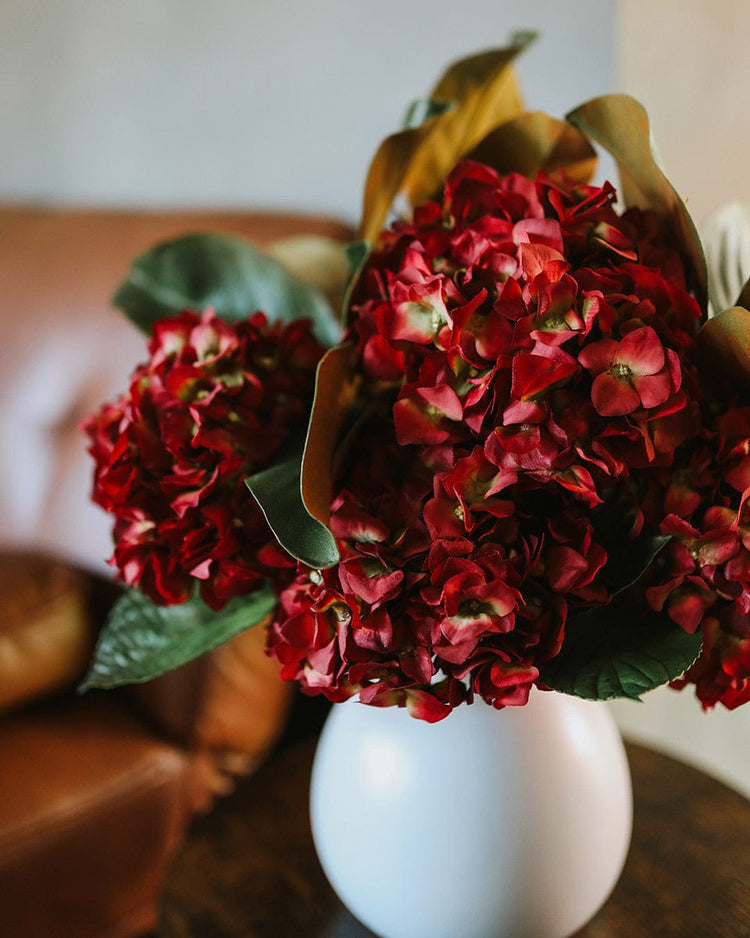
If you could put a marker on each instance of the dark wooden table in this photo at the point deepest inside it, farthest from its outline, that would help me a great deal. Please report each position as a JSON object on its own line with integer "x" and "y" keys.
{"x": 249, "y": 870}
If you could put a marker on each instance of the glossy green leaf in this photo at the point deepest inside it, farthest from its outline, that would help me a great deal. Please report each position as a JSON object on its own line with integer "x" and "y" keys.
{"x": 627, "y": 559}
{"x": 224, "y": 272}
{"x": 620, "y": 124}
{"x": 141, "y": 640}
{"x": 631, "y": 561}
{"x": 611, "y": 652}
{"x": 278, "y": 492}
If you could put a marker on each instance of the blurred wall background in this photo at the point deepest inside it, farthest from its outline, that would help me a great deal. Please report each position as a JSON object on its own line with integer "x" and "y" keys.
{"x": 253, "y": 103}
{"x": 686, "y": 61}
{"x": 241, "y": 103}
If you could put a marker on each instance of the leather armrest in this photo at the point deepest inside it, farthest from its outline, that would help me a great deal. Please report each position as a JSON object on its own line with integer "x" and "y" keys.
{"x": 47, "y": 630}
{"x": 229, "y": 706}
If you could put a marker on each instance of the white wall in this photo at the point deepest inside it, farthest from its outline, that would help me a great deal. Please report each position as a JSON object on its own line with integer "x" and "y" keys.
{"x": 250, "y": 102}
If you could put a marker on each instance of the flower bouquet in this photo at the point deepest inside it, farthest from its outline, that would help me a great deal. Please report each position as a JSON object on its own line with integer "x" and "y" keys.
{"x": 516, "y": 464}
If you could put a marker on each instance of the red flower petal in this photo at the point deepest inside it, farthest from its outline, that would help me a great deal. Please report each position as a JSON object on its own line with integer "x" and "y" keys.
{"x": 598, "y": 356}
{"x": 653, "y": 390}
{"x": 535, "y": 374}
{"x": 614, "y": 397}
{"x": 641, "y": 351}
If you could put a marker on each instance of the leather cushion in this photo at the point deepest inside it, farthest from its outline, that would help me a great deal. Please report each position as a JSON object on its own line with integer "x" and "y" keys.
{"x": 92, "y": 806}
{"x": 46, "y": 634}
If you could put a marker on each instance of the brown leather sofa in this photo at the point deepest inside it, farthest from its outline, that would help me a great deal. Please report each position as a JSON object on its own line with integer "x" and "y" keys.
{"x": 96, "y": 791}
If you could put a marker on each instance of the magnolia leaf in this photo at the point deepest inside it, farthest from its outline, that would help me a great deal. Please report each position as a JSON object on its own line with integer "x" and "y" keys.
{"x": 316, "y": 260}
{"x": 336, "y": 386}
{"x": 635, "y": 559}
{"x": 534, "y": 142}
{"x": 724, "y": 347}
{"x": 224, "y": 272}
{"x": 385, "y": 177}
{"x": 484, "y": 94}
{"x": 627, "y": 560}
{"x": 141, "y": 640}
{"x": 356, "y": 254}
{"x": 613, "y": 652}
{"x": 278, "y": 492}
{"x": 620, "y": 124}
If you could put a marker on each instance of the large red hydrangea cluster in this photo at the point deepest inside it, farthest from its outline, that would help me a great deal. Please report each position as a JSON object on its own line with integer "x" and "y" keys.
{"x": 213, "y": 403}
{"x": 529, "y": 356}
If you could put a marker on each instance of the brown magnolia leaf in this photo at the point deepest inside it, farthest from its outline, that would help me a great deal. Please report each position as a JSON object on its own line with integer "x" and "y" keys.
{"x": 317, "y": 260}
{"x": 336, "y": 386}
{"x": 620, "y": 124}
{"x": 724, "y": 346}
{"x": 534, "y": 142}
{"x": 385, "y": 176}
{"x": 460, "y": 79}
{"x": 484, "y": 93}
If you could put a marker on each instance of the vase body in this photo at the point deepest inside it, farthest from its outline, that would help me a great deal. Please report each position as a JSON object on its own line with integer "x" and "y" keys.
{"x": 489, "y": 824}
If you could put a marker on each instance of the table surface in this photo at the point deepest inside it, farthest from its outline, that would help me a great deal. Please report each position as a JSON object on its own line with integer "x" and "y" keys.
{"x": 248, "y": 869}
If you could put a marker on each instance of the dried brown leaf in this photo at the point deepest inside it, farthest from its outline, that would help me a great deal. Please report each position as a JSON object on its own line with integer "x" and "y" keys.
{"x": 485, "y": 94}
{"x": 724, "y": 346}
{"x": 534, "y": 142}
{"x": 620, "y": 124}
{"x": 336, "y": 386}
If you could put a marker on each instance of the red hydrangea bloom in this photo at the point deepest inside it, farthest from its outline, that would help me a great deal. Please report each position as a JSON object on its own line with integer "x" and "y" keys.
{"x": 530, "y": 354}
{"x": 213, "y": 403}
{"x": 637, "y": 372}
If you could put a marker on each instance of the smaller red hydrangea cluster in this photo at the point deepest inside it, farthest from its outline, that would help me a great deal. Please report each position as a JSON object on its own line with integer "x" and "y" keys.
{"x": 706, "y": 578}
{"x": 530, "y": 361}
{"x": 213, "y": 403}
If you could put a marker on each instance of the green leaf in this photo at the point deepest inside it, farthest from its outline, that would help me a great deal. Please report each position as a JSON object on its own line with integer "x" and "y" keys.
{"x": 613, "y": 652}
{"x": 224, "y": 272}
{"x": 278, "y": 492}
{"x": 631, "y": 562}
{"x": 356, "y": 254}
{"x": 141, "y": 640}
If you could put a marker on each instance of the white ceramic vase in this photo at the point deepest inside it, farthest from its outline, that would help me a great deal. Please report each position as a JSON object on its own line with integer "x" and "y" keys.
{"x": 489, "y": 824}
